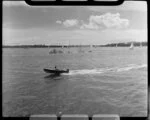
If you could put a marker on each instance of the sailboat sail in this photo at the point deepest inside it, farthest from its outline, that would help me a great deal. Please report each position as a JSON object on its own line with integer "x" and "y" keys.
{"x": 131, "y": 46}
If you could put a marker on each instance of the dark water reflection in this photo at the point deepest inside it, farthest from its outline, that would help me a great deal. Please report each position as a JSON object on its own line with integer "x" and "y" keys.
{"x": 52, "y": 76}
{"x": 55, "y": 77}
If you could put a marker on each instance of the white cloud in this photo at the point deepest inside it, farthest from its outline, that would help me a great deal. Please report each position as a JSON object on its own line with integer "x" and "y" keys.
{"x": 90, "y": 26}
{"x": 58, "y": 22}
{"x": 107, "y": 20}
{"x": 70, "y": 23}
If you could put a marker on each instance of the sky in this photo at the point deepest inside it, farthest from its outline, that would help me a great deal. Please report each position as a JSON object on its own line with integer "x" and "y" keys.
{"x": 61, "y": 25}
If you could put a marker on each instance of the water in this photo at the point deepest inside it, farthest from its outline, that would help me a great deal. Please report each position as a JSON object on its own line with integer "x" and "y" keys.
{"x": 104, "y": 81}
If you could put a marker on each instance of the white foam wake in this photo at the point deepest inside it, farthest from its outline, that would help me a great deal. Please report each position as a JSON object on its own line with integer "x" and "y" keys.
{"x": 85, "y": 71}
{"x": 104, "y": 70}
{"x": 130, "y": 67}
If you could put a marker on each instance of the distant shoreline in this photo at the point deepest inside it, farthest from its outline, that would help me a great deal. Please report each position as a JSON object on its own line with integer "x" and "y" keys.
{"x": 136, "y": 44}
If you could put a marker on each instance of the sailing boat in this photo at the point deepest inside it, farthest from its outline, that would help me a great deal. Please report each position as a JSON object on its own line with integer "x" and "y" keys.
{"x": 80, "y": 50}
{"x": 69, "y": 47}
{"x": 140, "y": 44}
{"x": 116, "y": 45}
{"x": 131, "y": 46}
{"x": 91, "y": 46}
{"x": 52, "y": 51}
{"x": 62, "y": 48}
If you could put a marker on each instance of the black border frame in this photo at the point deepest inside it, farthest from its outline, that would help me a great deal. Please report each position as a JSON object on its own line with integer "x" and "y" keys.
{"x": 78, "y": 3}
{"x": 61, "y": 2}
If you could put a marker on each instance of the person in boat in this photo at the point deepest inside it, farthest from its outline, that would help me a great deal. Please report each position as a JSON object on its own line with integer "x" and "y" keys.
{"x": 56, "y": 68}
{"x": 67, "y": 70}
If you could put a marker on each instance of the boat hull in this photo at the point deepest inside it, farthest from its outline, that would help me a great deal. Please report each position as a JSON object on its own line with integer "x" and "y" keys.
{"x": 55, "y": 71}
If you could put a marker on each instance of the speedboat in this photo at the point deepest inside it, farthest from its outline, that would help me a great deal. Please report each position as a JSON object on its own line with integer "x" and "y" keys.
{"x": 55, "y": 71}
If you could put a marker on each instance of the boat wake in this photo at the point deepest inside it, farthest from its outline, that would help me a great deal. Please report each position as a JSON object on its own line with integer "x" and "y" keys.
{"x": 104, "y": 70}
{"x": 131, "y": 66}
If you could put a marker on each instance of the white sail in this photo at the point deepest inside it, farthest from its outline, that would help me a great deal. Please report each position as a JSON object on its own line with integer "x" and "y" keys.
{"x": 116, "y": 45}
{"x": 62, "y": 47}
{"x": 131, "y": 46}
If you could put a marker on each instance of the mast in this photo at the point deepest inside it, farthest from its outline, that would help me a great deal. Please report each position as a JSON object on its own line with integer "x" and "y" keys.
{"x": 80, "y": 48}
{"x": 140, "y": 44}
{"x": 91, "y": 46}
{"x": 69, "y": 47}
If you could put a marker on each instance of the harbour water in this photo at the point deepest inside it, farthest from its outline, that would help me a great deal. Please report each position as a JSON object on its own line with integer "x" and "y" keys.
{"x": 107, "y": 80}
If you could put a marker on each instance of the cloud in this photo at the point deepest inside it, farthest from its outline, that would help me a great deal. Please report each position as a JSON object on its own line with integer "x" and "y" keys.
{"x": 58, "y": 22}
{"x": 107, "y": 20}
{"x": 70, "y": 23}
{"x": 89, "y": 26}
{"x": 97, "y": 22}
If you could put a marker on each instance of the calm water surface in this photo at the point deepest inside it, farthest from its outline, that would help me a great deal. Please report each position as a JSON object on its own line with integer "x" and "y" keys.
{"x": 104, "y": 81}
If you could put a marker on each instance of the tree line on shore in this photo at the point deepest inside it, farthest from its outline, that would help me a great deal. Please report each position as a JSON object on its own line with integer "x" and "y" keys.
{"x": 67, "y": 46}
{"x": 126, "y": 44}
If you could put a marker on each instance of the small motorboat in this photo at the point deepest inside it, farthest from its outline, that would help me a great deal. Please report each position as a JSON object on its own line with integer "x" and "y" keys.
{"x": 56, "y": 71}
